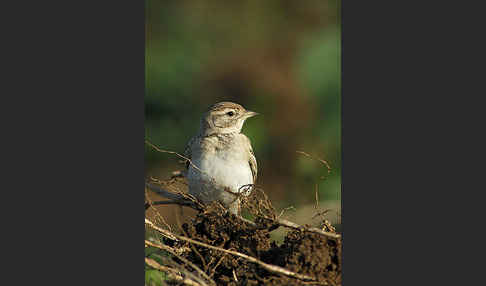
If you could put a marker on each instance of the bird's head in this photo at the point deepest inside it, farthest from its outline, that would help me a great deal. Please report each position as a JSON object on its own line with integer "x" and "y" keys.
{"x": 224, "y": 118}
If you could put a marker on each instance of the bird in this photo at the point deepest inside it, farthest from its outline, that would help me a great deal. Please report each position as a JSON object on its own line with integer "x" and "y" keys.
{"x": 219, "y": 159}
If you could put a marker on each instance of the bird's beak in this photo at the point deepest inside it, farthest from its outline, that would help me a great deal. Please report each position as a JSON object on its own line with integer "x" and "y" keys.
{"x": 249, "y": 114}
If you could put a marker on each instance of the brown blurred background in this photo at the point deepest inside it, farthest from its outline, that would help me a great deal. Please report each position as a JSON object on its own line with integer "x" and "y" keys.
{"x": 278, "y": 58}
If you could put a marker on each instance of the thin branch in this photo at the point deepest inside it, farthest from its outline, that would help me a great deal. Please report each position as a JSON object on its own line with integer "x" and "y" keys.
{"x": 216, "y": 266}
{"x": 157, "y": 214}
{"x": 318, "y": 159}
{"x": 164, "y": 193}
{"x": 172, "y": 273}
{"x": 173, "y": 252}
{"x": 284, "y": 210}
{"x": 164, "y": 232}
{"x": 183, "y": 271}
{"x": 286, "y": 223}
{"x": 203, "y": 261}
{"x": 321, "y": 213}
{"x": 172, "y": 152}
{"x": 185, "y": 204}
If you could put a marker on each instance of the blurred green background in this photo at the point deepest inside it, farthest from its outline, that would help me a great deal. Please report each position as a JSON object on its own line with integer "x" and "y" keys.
{"x": 278, "y": 58}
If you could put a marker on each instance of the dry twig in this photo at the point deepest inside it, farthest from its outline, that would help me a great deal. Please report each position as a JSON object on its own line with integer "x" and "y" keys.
{"x": 318, "y": 159}
{"x": 172, "y": 152}
{"x": 216, "y": 266}
{"x": 284, "y": 210}
{"x": 173, "y": 274}
{"x": 166, "y": 233}
{"x": 173, "y": 252}
{"x": 289, "y": 224}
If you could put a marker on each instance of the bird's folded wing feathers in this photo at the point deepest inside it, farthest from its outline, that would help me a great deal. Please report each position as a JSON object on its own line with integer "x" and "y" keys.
{"x": 252, "y": 161}
{"x": 253, "y": 166}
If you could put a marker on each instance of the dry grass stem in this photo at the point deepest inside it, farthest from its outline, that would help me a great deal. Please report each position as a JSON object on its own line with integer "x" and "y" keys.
{"x": 318, "y": 159}
{"x": 289, "y": 224}
{"x": 172, "y": 152}
{"x": 284, "y": 210}
{"x": 217, "y": 264}
{"x": 173, "y": 274}
{"x": 173, "y": 252}
{"x": 150, "y": 203}
{"x": 164, "y": 232}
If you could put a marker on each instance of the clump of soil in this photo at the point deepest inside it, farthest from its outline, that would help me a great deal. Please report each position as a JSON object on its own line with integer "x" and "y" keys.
{"x": 302, "y": 252}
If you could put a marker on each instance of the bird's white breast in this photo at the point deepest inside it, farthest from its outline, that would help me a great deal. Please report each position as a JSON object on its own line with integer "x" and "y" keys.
{"x": 220, "y": 168}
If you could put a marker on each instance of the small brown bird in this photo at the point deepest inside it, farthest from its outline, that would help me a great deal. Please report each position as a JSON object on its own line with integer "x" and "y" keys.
{"x": 222, "y": 163}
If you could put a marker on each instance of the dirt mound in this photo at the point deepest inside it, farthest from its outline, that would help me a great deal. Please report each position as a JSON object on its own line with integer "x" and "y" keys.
{"x": 307, "y": 256}
{"x": 302, "y": 252}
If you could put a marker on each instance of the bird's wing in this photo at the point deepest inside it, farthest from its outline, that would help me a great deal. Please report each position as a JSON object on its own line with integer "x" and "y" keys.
{"x": 253, "y": 165}
{"x": 252, "y": 161}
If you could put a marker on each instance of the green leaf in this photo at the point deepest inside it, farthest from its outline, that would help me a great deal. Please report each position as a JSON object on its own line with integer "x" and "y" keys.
{"x": 149, "y": 250}
{"x": 154, "y": 277}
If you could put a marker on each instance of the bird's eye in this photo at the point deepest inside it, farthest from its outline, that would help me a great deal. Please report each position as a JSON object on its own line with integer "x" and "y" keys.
{"x": 230, "y": 113}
